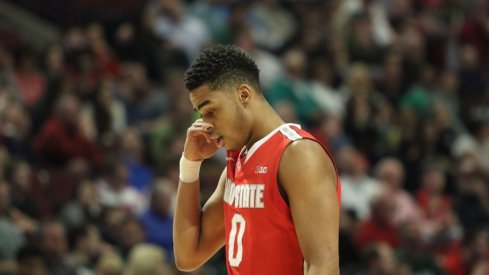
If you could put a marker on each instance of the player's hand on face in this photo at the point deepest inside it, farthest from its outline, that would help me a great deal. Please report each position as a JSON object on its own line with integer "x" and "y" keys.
{"x": 200, "y": 144}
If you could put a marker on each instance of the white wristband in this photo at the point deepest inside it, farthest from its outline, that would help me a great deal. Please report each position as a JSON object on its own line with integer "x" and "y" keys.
{"x": 189, "y": 169}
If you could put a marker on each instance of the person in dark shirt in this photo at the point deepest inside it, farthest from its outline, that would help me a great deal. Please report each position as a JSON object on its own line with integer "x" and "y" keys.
{"x": 157, "y": 220}
{"x": 61, "y": 139}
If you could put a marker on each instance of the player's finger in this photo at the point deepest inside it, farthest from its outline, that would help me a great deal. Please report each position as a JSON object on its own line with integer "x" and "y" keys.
{"x": 204, "y": 126}
{"x": 202, "y": 123}
{"x": 196, "y": 131}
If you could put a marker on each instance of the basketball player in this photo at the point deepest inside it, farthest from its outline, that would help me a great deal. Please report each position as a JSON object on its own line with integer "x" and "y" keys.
{"x": 276, "y": 205}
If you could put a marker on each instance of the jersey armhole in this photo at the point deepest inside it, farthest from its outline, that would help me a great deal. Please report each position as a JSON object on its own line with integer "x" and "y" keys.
{"x": 281, "y": 189}
{"x": 291, "y": 135}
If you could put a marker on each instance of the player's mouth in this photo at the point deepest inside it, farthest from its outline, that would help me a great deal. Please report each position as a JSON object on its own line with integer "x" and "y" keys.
{"x": 220, "y": 141}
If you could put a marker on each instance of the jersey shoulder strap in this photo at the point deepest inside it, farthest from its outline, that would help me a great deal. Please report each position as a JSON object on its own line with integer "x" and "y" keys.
{"x": 290, "y": 133}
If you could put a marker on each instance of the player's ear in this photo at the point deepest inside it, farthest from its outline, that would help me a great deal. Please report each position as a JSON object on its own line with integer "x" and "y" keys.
{"x": 244, "y": 93}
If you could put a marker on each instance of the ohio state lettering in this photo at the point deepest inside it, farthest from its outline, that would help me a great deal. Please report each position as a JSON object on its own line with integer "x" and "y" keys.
{"x": 244, "y": 195}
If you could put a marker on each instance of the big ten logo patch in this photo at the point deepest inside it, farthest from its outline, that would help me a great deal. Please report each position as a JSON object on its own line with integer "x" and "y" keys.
{"x": 261, "y": 170}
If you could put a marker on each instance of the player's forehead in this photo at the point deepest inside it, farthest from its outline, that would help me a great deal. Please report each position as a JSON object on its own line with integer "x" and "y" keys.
{"x": 203, "y": 96}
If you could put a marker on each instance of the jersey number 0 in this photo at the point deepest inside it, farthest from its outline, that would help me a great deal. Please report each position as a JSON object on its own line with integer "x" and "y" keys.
{"x": 238, "y": 225}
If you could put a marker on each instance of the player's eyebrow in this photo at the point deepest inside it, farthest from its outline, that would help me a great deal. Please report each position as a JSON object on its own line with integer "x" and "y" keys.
{"x": 205, "y": 102}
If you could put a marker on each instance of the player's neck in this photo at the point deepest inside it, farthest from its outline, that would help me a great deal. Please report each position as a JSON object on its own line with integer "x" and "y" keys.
{"x": 265, "y": 122}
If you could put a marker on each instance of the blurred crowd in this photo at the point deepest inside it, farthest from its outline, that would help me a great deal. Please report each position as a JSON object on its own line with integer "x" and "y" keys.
{"x": 92, "y": 127}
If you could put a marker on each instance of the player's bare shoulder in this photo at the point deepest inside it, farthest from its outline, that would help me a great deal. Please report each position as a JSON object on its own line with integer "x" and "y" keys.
{"x": 305, "y": 158}
{"x": 303, "y": 150}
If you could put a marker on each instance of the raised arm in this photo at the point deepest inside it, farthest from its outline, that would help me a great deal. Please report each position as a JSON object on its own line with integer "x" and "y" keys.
{"x": 197, "y": 232}
{"x": 308, "y": 176}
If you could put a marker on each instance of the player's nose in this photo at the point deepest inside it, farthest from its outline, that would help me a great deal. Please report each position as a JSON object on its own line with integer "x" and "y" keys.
{"x": 207, "y": 126}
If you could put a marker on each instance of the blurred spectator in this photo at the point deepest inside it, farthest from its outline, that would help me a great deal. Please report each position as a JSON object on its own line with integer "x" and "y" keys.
{"x": 412, "y": 44}
{"x": 392, "y": 83}
{"x": 130, "y": 234}
{"x": 159, "y": 55}
{"x": 54, "y": 247}
{"x": 349, "y": 252}
{"x": 390, "y": 172}
{"x": 446, "y": 93}
{"x": 295, "y": 88}
{"x": 105, "y": 63}
{"x": 142, "y": 101}
{"x": 15, "y": 127}
{"x": 471, "y": 201}
{"x": 103, "y": 118}
{"x": 132, "y": 153}
{"x": 420, "y": 96}
{"x": 21, "y": 179}
{"x": 272, "y": 25}
{"x": 85, "y": 208}
{"x": 382, "y": 32}
{"x": 287, "y": 110}
{"x": 387, "y": 131}
{"x": 41, "y": 112}
{"x": 479, "y": 111}
{"x": 7, "y": 97}
{"x": 126, "y": 44}
{"x": 147, "y": 259}
{"x": 472, "y": 257}
{"x": 358, "y": 188}
{"x": 110, "y": 226}
{"x": 30, "y": 261}
{"x": 330, "y": 131}
{"x": 435, "y": 204}
{"x": 478, "y": 246}
{"x": 331, "y": 101}
{"x": 216, "y": 15}
{"x": 380, "y": 227}
{"x": 380, "y": 258}
{"x": 360, "y": 107}
{"x": 474, "y": 142}
{"x": 61, "y": 140}
{"x": 114, "y": 189}
{"x": 54, "y": 63}
{"x": 473, "y": 80}
{"x": 167, "y": 135}
{"x": 7, "y": 67}
{"x": 360, "y": 40}
{"x": 172, "y": 22}
{"x": 4, "y": 161}
{"x": 270, "y": 67}
{"x": 11, "y": 235}
{"x": 414, "y": 253}
{"x": 109, "y": 264}
{"x": 28, "y": 79}
{"x": 87, "y": 249}
{"x": 474, "y": 30}
{"x": 158, "y": 220}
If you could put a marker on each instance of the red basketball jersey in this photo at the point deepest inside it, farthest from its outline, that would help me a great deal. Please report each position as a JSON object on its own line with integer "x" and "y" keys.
{"x": 260, "y": 233}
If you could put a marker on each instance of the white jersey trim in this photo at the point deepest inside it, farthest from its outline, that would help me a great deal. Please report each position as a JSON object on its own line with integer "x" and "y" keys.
{"x": 281, "y": 128}
{"x": 290, "y": 133}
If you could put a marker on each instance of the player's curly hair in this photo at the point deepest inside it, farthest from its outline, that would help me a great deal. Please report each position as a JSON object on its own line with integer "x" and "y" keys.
{"x": 222, "y": 66}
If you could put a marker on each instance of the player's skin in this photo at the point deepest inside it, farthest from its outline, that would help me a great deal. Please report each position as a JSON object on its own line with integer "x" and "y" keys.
{"x": 232, "y": 119}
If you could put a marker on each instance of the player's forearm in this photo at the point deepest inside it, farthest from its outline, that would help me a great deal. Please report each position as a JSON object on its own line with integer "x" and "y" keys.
{"x": 186, "y": 225}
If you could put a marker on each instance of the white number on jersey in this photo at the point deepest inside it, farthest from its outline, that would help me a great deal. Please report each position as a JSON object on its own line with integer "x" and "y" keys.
{"x": 238, "y": 225}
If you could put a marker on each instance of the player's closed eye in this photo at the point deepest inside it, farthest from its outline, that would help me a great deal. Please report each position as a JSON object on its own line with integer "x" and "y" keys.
{"x": 209, "y": 113}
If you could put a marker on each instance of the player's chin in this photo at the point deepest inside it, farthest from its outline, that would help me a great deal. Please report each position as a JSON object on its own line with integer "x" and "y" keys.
{"x": 229, "y": 145}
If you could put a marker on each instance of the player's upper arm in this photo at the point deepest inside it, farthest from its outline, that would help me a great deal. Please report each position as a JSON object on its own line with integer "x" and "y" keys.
{"x": 308, "y": 176}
